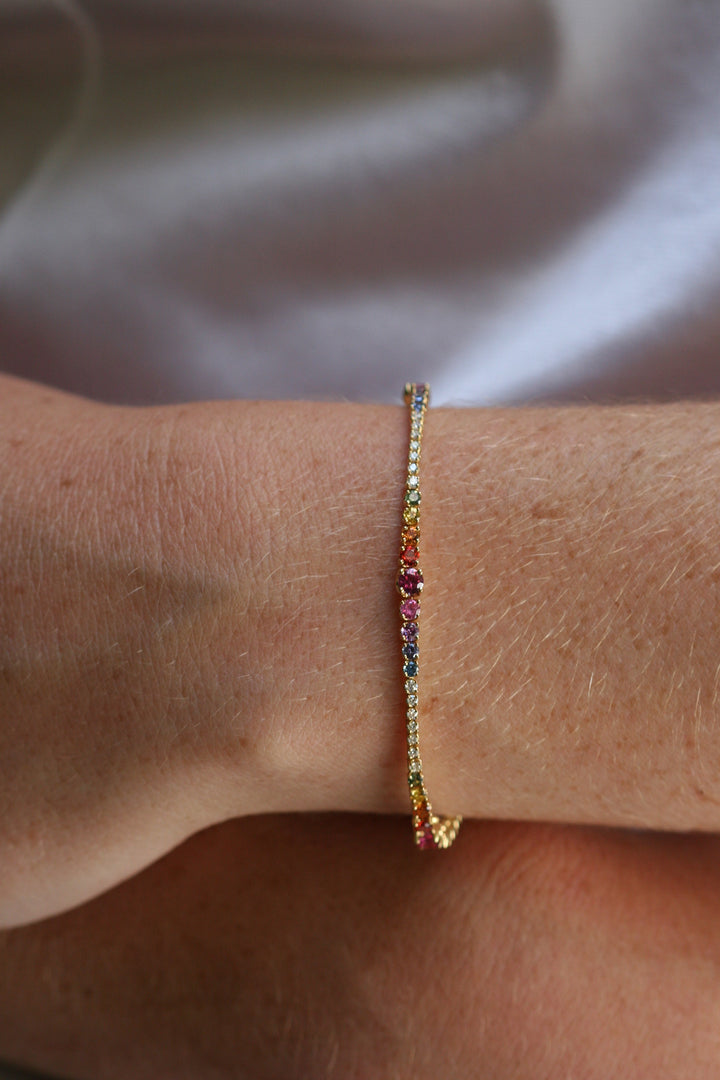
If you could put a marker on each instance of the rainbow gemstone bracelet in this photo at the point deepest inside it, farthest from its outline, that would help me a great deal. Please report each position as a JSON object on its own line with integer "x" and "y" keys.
{"x": 430, "y": 831}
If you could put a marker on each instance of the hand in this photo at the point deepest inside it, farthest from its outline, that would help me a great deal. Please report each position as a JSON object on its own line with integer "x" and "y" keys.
{"x": 325, "y": 946}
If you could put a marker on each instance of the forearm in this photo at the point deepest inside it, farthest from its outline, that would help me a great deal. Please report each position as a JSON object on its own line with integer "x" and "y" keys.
{"x": 568, "y": 667}
{"x": 313, "y": 946}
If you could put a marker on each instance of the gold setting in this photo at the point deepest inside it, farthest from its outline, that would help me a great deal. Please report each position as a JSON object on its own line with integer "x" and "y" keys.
{"x": 429, "y": 829}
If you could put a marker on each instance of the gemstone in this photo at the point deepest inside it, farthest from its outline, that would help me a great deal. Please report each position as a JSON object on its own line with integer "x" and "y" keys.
{"x": 410, "y": 581}
{"x": 413, "y": 481}
{"x": 424, "y": 837}
{"x": 412, "y": 738}
{"x": 411, "y": 534}
{"x": 414, "y": 778}
{"x": 409, "y": 609}
{"x": 412, "y": 726}
{"x": 412, "y": 700}
{"x": 410, "y": 650}
{"x": 412, "y": 498}
{"x": 412, "y": 717}
{"x": 410, "y": 668}
{"x": 410, "y": 686}
{"x": 409, "y": 555}
{"x": 414, "y": 445}
{"x": 412, "y": 467}
{"x": 410, "y": 515}
{"x": 417, "y": 793}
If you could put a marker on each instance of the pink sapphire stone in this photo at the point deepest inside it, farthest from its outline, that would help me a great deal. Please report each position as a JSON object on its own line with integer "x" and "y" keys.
{"x": 409, "y": 608}
{"x": 425, "y": 837}
{"x": 410, "y": 580}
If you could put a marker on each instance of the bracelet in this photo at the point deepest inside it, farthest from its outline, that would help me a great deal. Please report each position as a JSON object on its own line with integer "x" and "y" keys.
{"x": 430, "y": 830}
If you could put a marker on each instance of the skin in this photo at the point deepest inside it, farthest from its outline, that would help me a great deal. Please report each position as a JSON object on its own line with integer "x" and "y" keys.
{"x": 300, "y": 947}
{"x": 197, "y": 624}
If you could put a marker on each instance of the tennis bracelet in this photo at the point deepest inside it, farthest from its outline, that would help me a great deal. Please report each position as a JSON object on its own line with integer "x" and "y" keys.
{"x": 430, "y": 831}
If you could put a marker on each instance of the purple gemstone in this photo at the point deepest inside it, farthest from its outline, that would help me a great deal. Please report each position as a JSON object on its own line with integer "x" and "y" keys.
{"x": 410, "y": 630}
{"x": 409, "y": 608}
{"x": 410, "y": 580}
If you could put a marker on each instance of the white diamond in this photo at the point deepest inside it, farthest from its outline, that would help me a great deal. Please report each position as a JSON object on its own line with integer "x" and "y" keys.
{"x": 412, "y": 467}
{"x": 412, "y": 700}
{"x": 411, "y": 686}
{"x": 412, "y": 738}
{"x": 413, "y": 455}
{"x": 412, "y": 715}
{"x": 412, "y": 726}
{"x": 413, "y": 481}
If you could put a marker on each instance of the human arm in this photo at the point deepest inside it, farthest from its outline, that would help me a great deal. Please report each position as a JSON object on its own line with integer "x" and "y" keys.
{"x": 325, "y": 946}
{"x": 198, "y": 622}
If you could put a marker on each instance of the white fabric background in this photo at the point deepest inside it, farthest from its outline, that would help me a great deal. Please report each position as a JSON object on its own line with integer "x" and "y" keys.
{"x": 280, "y": 198}
{"x": 515, "y": 199}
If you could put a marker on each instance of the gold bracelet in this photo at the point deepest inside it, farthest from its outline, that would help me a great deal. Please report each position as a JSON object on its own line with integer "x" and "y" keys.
{"x": 430, "y": 830}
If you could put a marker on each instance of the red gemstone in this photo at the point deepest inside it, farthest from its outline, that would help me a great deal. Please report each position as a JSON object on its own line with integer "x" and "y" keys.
{"x": 410, "y": 581}
{"x": 410, "y": 554}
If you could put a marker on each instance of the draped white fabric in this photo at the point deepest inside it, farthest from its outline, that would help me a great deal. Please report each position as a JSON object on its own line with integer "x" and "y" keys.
{"x": 514, "y": 199}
